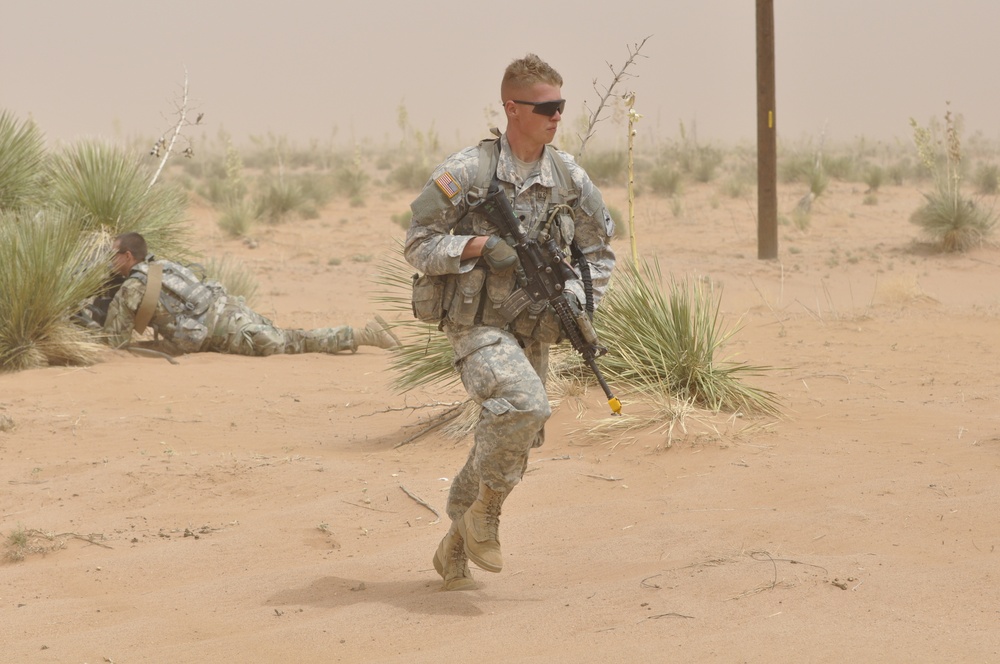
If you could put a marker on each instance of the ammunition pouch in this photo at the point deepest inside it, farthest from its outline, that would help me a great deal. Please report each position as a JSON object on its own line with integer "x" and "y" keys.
{"x": 428, "y": 296}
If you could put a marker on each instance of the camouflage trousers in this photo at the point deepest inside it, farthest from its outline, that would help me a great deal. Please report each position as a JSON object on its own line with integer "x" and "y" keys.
{"x": 239, "y": 330}
{"x": 508, "y": 382}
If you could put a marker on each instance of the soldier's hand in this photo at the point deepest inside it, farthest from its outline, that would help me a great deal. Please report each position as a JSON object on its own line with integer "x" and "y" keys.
{"x": 499, "y": 256}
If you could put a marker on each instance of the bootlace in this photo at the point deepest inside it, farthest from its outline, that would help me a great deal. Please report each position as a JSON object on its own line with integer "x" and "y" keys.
{"x": 459, "y": 561}
{"x": 493, "y": 516}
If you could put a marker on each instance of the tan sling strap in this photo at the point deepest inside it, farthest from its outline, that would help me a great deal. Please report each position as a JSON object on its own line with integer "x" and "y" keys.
{"x": 154, "y": 280}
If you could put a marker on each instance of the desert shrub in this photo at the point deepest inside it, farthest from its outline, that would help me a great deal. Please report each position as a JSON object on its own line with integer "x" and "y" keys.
{"x": 705, "y": 163}
{"x": 987, "y": 179}
{"x": 843, "y": 167}
{"x": 237, "y": 217}
{"x": 352, "y": 180}
{"x": 874, "y": 177}
{"x": 47, "y": 268}
{"x": 411, "y": 174}
{"x": 402, "y": 219}
{"x": 795, "y": 167}
{"x": 667, "y": 340}
{"x": 948, "y": 217}
{"x": 955, "y": 222}
{"x": 276, "y": 198}
{"x": 664, "y": 180}
{"x": 818, "y": 182}
{"x": 106, "y": 189}
{"x": 801, "y": 218}
{"x": 223, "y": 182}
{"x": 734, "y": 187}
{"x": 22, "y": 158}
{"x": 606, "y": 167}
{"x": 234, "y": 275}
{"x": 317, "y": 186}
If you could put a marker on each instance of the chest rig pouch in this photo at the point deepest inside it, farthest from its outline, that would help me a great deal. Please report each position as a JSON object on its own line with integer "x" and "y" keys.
{"x": 484, "y": 297}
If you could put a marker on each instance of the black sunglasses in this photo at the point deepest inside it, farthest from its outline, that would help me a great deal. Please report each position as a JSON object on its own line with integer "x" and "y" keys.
{"x": 548, "y": 108}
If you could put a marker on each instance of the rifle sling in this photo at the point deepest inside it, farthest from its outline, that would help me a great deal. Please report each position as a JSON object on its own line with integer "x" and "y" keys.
{"x": 154, "y": 281}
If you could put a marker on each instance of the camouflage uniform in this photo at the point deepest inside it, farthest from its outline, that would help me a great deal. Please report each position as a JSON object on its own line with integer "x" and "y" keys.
{"x": 502, "y": 364}
{"x": 227, "y": 326}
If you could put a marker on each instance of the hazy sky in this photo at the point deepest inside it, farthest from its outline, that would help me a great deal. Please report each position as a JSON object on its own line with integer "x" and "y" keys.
{"x": 301, "y": 69}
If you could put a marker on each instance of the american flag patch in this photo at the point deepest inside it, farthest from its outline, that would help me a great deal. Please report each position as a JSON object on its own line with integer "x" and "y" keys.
{"x": 447, "y": 184}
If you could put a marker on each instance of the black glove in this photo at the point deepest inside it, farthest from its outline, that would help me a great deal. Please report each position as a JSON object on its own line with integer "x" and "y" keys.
{"x": 499, "y": 255}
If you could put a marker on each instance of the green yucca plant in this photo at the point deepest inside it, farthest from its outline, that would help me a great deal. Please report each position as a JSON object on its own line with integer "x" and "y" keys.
{"x": 47, "y": 268}
{"x": 425, "y": 356}
{"x": 947, "y": 216}
{"x": 106, "y": 189}
{"x": 670, "y": 339}
{"x": 22, "y": 158}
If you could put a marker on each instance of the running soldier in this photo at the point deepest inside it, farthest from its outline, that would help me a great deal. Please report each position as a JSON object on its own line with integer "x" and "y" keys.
{"x": 470, "y": 274}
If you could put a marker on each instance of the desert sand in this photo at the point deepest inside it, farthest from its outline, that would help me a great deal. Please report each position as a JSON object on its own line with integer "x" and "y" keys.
{"x": 231, "y": 509}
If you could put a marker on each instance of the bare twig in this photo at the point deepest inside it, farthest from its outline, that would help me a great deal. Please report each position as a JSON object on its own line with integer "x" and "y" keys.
{"x": 166, "y": 148}
{"x": 421, "y": 502}
{"x": 606, "y": 478}
{"x": 367, "y": 507}
{"x": 617, "y": 77}
{"x": 434, "y": 423}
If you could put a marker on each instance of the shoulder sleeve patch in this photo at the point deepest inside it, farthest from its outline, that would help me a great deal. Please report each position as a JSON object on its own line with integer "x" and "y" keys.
{"x": 447, "y": 184}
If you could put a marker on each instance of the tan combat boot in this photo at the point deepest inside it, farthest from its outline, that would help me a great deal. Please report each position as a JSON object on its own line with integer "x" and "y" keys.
{"x": 480, "y": 526}
{"x": 451, "y": 563}
{"x": 376, "y": 333}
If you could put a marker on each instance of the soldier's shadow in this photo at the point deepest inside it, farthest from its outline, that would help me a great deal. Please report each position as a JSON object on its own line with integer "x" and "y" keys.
{"x": 414, "y": 596}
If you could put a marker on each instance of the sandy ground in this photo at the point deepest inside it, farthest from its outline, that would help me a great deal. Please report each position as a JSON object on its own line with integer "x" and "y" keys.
{"x": 230, "y": 509}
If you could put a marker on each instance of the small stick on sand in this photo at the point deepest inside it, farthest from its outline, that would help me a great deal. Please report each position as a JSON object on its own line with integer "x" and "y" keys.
{"x": 422, "y": 502}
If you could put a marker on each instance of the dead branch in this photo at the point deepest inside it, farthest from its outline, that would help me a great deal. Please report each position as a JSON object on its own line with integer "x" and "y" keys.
{"x": 166, "y": 147}
{"x": 617, "y": 77}
{"x": 421, "y": 502}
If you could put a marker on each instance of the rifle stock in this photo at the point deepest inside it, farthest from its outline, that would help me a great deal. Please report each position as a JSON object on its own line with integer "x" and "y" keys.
{"x": 542, "y": 275}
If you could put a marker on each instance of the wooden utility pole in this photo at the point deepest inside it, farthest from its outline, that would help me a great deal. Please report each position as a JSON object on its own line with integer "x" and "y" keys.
{"x": 767, "y": 143}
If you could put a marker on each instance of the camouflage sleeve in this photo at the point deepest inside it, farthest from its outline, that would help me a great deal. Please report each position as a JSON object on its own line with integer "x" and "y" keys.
{"x": 594, "y": 229}
{"x": 121, "y": 313}
{"x": 430, "y": 245}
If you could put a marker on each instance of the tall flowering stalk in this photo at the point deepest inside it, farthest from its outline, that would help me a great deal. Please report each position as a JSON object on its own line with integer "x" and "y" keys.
{"x": 948, "y": 217}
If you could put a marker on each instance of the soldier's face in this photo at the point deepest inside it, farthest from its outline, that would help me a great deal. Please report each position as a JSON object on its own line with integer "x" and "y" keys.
{"x": 121, "y": 261}
{"x": 538, "y": 127}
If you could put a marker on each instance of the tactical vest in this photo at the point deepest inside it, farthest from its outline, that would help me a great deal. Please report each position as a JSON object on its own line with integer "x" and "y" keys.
{"x": 187, "y": 299}
{"x": 565, "y": 190}
{"x": 479, "y": 295}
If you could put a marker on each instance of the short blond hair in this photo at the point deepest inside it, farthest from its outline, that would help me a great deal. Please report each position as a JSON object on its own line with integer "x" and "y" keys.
{"x": 525, "y": 72}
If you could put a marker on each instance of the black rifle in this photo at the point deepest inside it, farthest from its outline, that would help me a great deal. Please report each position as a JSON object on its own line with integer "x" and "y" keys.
{"x": 542, "y": 275}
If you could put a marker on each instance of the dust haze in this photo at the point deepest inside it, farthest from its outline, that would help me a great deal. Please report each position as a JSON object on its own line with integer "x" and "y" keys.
{"x": 321, "y": 71}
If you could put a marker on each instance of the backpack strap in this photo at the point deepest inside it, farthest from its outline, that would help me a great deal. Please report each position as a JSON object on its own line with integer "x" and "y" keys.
{"x": 154, "y": 281}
